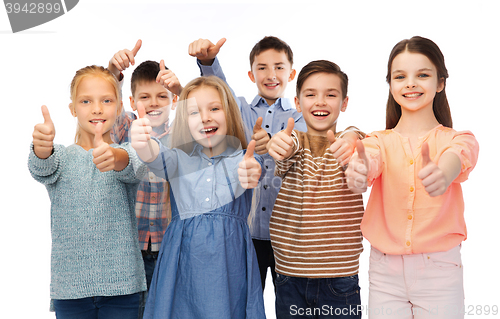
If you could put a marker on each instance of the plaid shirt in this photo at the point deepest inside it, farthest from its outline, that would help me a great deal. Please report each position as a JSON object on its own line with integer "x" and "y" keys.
{"x": 152, "y": 205}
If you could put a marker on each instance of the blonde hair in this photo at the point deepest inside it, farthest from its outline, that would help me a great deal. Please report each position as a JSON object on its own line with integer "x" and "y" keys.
{"x": 96, "y": 71}
{"x": 181, "y": 136}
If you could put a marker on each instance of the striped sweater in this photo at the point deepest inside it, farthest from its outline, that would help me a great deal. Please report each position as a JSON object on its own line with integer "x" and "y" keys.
{"x": 315, "y": 224}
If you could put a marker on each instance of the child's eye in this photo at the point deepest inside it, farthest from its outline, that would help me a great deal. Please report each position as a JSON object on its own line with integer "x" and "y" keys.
{"x": 399, "y": 77}
{"x": 107, "y": 101}
{"x": 163, "y": 97}
{"x": 423, "y": 75}
{"x": 193, "y": 112}
{"x": 85, "y": 102}
{"x": 214, "y": 109}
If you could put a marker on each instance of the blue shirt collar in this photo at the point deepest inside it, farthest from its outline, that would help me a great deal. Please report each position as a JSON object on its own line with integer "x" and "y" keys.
{"x": 198, "y": 149}
{"x": 259, "y": 101}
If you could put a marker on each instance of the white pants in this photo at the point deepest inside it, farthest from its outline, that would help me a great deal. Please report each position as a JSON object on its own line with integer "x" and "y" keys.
{"x": 416, "y": 286}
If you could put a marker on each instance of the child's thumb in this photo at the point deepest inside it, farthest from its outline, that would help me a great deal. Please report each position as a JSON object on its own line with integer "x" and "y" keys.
{"x": 289, "y": 127}
{"x": 162, "y": 65}
{"x": 220, "y": 43}
{"x": 98, "y": 135}
{"x": 361, "y": 152}
{"x": 46, "y": 115}
{"x": 141, "y": 111}
{"x": 330, "y": 136}
{"x": 258, "y": 125}
{"x": 426, "y": 159}
{"x": 250, "y": 150}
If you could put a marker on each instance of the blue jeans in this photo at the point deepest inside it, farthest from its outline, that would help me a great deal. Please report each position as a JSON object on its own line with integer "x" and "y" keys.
{"x": 113, "y": 307}
{"x": 317, "y": 297}
{"x": 149, "y": 267}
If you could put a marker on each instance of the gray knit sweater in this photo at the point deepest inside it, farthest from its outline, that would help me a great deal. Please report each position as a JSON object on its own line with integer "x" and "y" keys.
{"x": 95, "y": 250}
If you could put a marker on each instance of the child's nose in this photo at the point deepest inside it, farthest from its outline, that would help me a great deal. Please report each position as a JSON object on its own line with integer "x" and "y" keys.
{"x": 97, "y": 109}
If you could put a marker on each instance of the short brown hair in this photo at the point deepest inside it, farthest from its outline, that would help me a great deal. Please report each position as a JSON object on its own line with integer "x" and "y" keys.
{"x": 268, "y": 43}
{"x": 147, "y": 71}
{"x": 322, "y": 66}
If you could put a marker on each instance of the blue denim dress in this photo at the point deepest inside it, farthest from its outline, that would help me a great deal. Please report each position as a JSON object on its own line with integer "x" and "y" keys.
{"x": 207, "y": 266}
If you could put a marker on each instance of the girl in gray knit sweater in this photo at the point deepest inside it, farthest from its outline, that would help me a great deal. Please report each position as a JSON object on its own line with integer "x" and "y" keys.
{"x": 96, "y": 265}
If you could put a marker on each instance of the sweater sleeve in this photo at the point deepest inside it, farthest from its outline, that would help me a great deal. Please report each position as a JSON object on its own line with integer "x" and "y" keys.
{"x": 135, "y": 169}
{"x": 46, "y": 171}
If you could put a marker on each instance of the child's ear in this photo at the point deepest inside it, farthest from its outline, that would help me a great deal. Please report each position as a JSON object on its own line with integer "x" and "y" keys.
{"x": 132, "y": 103}
{"x": 297, "y": 104}
{"x": 176, "y": 97}
{"x": 250, "y": 75}
{"x": 72, "y": 109}
{"x": 292, "y": 75}
{"x": 440, "y": 85}
{"x": 344, "y": 104}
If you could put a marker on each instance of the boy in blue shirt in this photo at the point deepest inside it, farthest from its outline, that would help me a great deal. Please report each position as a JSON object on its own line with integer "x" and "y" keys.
{"x": 271, "y": 61}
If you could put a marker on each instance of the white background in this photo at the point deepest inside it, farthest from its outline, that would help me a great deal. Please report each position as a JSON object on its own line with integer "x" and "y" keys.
{"x": 37, "y": 65}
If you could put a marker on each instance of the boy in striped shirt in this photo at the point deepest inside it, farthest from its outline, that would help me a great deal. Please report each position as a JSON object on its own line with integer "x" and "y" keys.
{"x": 315, "y": 223}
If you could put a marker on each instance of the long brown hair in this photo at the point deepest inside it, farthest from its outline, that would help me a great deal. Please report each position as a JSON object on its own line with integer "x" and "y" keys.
{"x": 181, "y": 136}
{"x": 440, "y": 104}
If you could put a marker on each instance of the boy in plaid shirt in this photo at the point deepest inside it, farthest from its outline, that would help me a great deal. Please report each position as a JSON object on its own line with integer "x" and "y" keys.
{"x": 156, "y": 88}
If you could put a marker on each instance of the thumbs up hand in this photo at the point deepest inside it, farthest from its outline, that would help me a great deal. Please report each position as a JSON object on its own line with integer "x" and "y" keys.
{"x": 357, "y": 172}
{"x": 249, "y": 169}
{"x": 43, "y": 135}
{"x": 433, "y": 178}
{"x": 140, "y": 136}
{"x": 122, "y": 59}
{"x": 281, "y": 144}
{"x": 104, "y": 156}
{"x": 260, "y": 137}
{"x": 168, "y": 79}
{"x": 205, "y": 51}
{"x": 340, "y": 148}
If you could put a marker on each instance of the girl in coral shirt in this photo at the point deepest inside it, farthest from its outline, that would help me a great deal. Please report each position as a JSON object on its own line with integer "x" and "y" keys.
{"x": 414, "y": 218}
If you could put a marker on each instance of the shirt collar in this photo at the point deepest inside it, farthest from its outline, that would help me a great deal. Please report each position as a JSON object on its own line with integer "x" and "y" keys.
{"x": 198, "y": 149}
{"x": 259, "y": 101}
{"x": 161, "y": 132}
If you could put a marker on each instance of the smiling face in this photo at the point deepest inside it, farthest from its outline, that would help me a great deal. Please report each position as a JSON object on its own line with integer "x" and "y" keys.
{"x": 320, "y": 101}
{"x": 414, "y": 82}
{"x": 95, "y": 102}
{"x": 156, "y": 100}
{"x": 271, "y": 71}
{"x": 207, "y": 120}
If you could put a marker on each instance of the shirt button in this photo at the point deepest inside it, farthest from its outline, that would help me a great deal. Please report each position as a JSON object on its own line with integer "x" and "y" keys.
{"x": 412, "y": 189}
{"x": 263, "y": 208}
{"x": 410, "y": 217}
{"x": 209, "y": 164}
{"x": 153, "y": 197}
{"x": 152, "y": 224}
{"x": 408, "y": 243}
{"x": 411, "y": 162}
{"x": 269, "y": 111}
{"x": 266, "y": 186}
{"x": 208, "y": 179}
{"x": 207, "y": 199}
{"x": 267, "y": 126}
